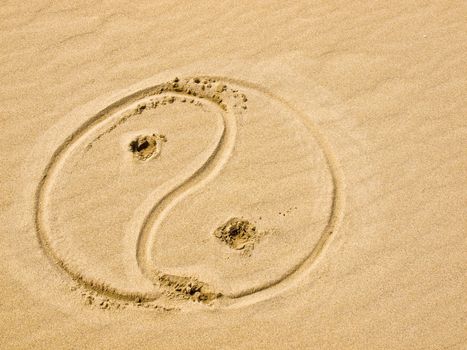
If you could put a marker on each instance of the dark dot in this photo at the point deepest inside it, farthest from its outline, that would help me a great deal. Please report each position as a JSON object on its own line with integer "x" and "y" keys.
{"x": 142, "y": 146}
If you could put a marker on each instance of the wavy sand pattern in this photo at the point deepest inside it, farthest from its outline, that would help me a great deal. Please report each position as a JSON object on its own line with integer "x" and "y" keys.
{"x": 233, "y": 175}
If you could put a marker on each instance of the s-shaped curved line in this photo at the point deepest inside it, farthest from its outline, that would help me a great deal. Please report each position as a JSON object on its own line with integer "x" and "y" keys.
{"x": 202, "y": 175}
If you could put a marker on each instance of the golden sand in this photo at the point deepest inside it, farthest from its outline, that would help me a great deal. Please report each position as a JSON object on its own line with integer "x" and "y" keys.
{"x": 245, "y": 175}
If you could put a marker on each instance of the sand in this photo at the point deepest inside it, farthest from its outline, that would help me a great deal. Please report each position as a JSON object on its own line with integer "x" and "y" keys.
{"x": 235, "y": 175}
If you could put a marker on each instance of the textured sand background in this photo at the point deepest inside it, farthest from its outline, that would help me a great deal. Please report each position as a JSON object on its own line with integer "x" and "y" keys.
{"x": 350, "y": 156}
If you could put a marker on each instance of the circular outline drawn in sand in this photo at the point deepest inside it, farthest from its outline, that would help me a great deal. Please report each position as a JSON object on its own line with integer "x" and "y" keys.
{"x": 232, "y": 103}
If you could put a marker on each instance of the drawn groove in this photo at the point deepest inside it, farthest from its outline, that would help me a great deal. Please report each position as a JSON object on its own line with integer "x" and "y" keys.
{"x": 231, "y": 104}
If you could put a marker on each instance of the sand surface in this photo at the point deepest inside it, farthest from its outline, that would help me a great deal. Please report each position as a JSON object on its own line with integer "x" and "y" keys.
{"x": 233, "y": 175}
